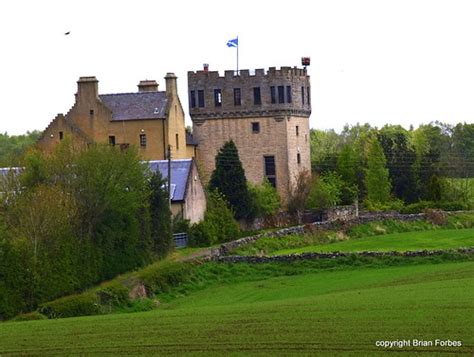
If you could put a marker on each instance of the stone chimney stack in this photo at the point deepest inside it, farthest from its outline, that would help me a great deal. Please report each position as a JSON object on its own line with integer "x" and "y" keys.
{"x": 171, "y": 85}
{"x": 87, "y": 89}
{"x": 148, "y": 86}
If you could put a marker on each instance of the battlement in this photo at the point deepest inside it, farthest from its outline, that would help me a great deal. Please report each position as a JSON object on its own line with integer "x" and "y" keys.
{"x": 249, "y": 93}
{"x": 245, "y": 73}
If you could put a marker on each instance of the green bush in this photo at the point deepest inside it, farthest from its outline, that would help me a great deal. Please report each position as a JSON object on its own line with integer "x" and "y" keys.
{"x": 325, "y": 192}
{"x": 217, "y": 226}
{"x": 266, "y": 200}
{"x": 113, "y": 295}
{"x": 31, "y": 316}
{"x": 74, "y": 305}
{"x": 160, "y": 277}
{"x": 417, "y": 207}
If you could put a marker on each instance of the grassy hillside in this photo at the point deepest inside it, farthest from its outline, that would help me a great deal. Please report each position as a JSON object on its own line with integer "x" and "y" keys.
{"x": 333, "y": 312}
{"x": 428, "y": 240}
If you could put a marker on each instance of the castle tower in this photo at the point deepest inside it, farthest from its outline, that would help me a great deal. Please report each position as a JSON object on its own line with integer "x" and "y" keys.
{"x": 266, "y": 114}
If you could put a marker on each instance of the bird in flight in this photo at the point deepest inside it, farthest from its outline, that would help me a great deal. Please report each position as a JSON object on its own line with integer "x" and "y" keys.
{"x": 67, "y": 33}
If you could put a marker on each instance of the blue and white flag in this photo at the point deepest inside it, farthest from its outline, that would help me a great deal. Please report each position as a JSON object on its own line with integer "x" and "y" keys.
{"x": 233, "y": 43}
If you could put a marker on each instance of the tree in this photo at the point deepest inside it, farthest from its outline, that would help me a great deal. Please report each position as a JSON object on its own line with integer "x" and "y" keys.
{"x": 229, "y": 179}
{"x": 299, "y": 194}
{"x": 400, "y": 161}
{"x": 160, "y": 216}
{"x": 376, "y": 175}
{"x": 325, "y": 192}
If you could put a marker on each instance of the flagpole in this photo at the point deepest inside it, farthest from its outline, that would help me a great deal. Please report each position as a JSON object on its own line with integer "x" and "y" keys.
{"x": 237, "y": 55}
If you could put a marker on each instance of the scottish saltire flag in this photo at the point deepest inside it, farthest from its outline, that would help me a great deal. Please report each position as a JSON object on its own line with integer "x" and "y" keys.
{"x": 233, "y": 43}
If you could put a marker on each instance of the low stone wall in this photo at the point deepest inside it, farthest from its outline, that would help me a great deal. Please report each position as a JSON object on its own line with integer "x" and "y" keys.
{"x": 335, "y": 255}
{"x": 225, "y": 248}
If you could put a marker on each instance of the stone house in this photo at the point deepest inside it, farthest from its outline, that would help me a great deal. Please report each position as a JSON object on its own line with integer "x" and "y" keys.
{"x": 188, "y": 199}
{"x": 148, "y": 119}
{"x": 266, "y": 114}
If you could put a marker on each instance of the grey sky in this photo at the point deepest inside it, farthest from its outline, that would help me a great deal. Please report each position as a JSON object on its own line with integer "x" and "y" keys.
{"x": 398, "y": 62}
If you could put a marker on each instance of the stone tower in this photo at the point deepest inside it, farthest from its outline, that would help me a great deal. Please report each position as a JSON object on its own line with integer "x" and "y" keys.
{"x": 266, "y": 114}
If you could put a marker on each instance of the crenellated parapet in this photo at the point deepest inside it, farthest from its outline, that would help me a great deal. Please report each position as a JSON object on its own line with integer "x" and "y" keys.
{"x": 259, "y": 93}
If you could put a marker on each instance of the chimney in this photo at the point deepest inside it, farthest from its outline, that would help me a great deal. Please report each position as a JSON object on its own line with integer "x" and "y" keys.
{"x": 87, "y": 89}
{"x": 171, "y": 85}
{"x": 148, "y": 86}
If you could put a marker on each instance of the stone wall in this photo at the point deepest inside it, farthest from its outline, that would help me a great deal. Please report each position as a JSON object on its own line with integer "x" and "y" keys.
{"x": 334, "y": 255}
{"x": 226, "y": 248}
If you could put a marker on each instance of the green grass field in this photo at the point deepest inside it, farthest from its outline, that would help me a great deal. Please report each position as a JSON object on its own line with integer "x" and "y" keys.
{"x": 429, "y": 240}
{"x": 330, "y": 313}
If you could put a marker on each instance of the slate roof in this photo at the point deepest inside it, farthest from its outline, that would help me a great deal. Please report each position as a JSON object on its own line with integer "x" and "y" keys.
{"x": 136, "y": 106}
{"x": 190, "y": 140}
{"x": 180, "y": 171}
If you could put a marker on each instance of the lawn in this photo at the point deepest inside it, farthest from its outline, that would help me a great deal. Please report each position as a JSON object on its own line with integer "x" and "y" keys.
{"x": 429, "y": 240}
{"x": 330, "y": 312}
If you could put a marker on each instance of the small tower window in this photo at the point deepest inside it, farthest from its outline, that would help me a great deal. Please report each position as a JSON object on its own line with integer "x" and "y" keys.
{"x": 298, "y": 158}
{"x": 61, "y": 135}
{"x": 192, "y": 99}
{"x": 281, "y": 94}
{"x": 177, "y": 142}
{"x": 256, "y": 127}
{"x": 288, "y": 94}
{"x": 143, "y": 140}
{"x": 270, "y": 169}
{"x": 237, "y": 97}
{"x": 218, "y": 97}
{"x": 201, "y": 98}
{"x": 257, "y": 98}
{"x": 273, "y": 94}
{"x": 309, "y": 95}
{"x": 112, "y": 140}
{"x": 302, "y": 95}
{"x": 91, "y": 112}
{"x": 297, "y": 130}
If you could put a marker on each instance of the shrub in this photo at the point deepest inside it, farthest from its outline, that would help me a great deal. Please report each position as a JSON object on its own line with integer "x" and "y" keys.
{"x": 417, "y": 207}
{"x": 113, "y": 295}
{"x": 31, "y": 316}
{"x": 266, "y": 200}
{"x": 217, "y": 226}
{"x": 75, "y": 305}
{"x": 436, "y": 217}
{"x": 160, "y": 277}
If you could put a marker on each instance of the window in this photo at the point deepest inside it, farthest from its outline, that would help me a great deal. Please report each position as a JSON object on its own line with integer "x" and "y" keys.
{"x": 256, "y": 127}
{"x": 217, "y": 97}
{"x": 281, "y": 94}
{"x": 237, "y": 98}
{"x": 61, "y": 135}
{"x": 297, "y": 130}
{"x": 91, "y": 112}
{"x": 309, "y": 96}
{"x": 298, "y": 158}
{"x": 177, "y": 142}
{"x": 192, "y": 99}
{"x": 273, "y": 94}
{"x": 270, "y": 169}
{"x": 257, "y": 98}
{"x": 302, "y": 95}
{"x": 112, "y": 140}
{"x": 143, "y": 140}
{"x": 200, "y": 98}
{"x": 288, "y": 94}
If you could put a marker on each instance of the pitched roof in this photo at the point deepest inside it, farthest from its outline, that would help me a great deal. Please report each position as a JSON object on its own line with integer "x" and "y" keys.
{"x": 136, "y": 106}
{"x": 180, "y": 171}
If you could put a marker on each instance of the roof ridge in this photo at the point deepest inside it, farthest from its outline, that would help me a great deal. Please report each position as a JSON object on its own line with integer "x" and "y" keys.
{"x": 128, "y": 93}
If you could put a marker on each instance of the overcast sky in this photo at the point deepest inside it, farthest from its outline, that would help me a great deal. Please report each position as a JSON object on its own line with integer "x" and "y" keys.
{"x": 398, "y": 62}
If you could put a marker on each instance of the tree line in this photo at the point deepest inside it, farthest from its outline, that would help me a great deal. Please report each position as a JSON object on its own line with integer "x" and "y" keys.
{"x": 75, "y": 218}
{"x": 391, "y": 167}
